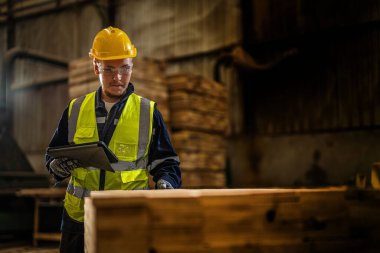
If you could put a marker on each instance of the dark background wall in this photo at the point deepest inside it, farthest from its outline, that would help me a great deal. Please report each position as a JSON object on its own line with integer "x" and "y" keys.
{"x": 319, "y": 107}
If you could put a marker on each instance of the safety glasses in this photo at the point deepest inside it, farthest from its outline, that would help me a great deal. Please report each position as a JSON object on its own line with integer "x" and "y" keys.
{"x": 108, "y": 71}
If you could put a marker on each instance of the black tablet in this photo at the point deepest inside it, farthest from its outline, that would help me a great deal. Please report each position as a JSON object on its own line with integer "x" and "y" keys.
{"x": 94, "y": 154}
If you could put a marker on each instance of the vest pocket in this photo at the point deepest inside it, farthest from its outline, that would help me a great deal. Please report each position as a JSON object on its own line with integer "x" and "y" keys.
{"x": 74, "y": 207}
{"x": 85, "y": 132}
{"x": 135, "y": 179}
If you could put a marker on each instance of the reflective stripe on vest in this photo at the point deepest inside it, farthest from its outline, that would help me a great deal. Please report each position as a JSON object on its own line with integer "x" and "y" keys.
{"x": 77, "y": 191}
{"x": 81, "y": 193}
{"x": 73, "y": 119}
{"x": 143, "y": 127}
{"x": 126, "y": 166}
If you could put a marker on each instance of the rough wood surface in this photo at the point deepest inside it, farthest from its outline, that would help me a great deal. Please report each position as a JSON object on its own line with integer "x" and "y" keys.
{"x": 211, "y": 122}
{"x": 233, "y": 220}
{"x": 198, "y": 141}
{"x": 207, "y": 178}
{"x": 196, "y": 84}
{"x": 189, "y": 100}
{"x": 202, "y": 160}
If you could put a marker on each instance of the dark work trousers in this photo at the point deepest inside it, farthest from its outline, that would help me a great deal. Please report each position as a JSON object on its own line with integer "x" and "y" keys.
{"x": 72, "y": 239}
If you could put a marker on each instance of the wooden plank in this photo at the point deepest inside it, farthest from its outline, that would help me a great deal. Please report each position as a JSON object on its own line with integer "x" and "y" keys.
{"x": 198, "y": 141}
{"x": 47, "y": 236}
{"x": 42, "y": 192}
{"x": 195, "y": 179}
{"x": 202, "y": 160}
{"x": 180, "y": 100}
{"x": 196, "y": 84}
{"x": 211, "y": 122}
{"x": 224, "y": 220}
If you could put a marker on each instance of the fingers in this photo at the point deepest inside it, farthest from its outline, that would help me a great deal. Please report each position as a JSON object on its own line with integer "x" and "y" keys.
{"x": 63, "y": 166}
{"x": 59, "y": 169}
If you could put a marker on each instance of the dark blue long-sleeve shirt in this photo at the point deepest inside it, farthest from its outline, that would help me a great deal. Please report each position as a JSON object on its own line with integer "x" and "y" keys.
{"x": 161, "y": 150}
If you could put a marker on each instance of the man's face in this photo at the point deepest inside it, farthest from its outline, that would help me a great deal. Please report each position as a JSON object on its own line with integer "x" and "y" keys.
{"x": 114, "y": 76}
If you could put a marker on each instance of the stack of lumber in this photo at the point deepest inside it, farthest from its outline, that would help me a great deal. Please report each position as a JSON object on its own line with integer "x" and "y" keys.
{"x": 233, "y": 220}
{"x": 198, "y": 104}
{"x": 147, "y": 78}
{"x": 202, "y": 158}
{"x": 198, "y": 109}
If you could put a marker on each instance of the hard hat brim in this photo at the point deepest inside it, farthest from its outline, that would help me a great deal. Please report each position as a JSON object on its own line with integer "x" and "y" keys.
{"x": 111, "y": 57}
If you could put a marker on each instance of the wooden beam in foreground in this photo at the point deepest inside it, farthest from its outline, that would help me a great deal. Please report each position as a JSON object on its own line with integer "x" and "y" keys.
{"x": 233, "y": 220}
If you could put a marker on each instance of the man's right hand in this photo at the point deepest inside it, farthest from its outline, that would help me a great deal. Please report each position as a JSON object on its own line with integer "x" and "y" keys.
{"x": 63, "y": 166}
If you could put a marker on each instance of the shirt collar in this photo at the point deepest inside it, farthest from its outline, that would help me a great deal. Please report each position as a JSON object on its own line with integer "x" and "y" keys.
{"x": 99, "y": 101}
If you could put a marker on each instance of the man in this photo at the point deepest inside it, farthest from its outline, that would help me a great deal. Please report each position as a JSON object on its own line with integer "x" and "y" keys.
{"x": 130, "y": 125}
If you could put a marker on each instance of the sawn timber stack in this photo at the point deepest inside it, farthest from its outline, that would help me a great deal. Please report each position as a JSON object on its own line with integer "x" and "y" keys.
{"x": 198, "y": 108}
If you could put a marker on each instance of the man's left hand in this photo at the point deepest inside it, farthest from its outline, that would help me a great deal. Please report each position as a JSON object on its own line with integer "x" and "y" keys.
{"x": 163, "y": 184}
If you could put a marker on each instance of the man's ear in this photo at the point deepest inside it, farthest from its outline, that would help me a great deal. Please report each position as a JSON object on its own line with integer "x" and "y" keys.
{"x": 96, "y": 67}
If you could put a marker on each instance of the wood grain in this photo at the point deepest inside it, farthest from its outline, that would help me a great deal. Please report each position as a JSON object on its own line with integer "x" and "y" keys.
{"x": 233, "y": 220}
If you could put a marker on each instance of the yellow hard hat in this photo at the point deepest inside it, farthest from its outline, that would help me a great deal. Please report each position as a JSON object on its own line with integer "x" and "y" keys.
{"x": 112, "y": 44}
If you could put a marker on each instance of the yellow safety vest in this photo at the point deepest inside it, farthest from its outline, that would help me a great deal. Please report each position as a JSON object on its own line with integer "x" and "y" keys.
{"x": 130, "y": 143}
